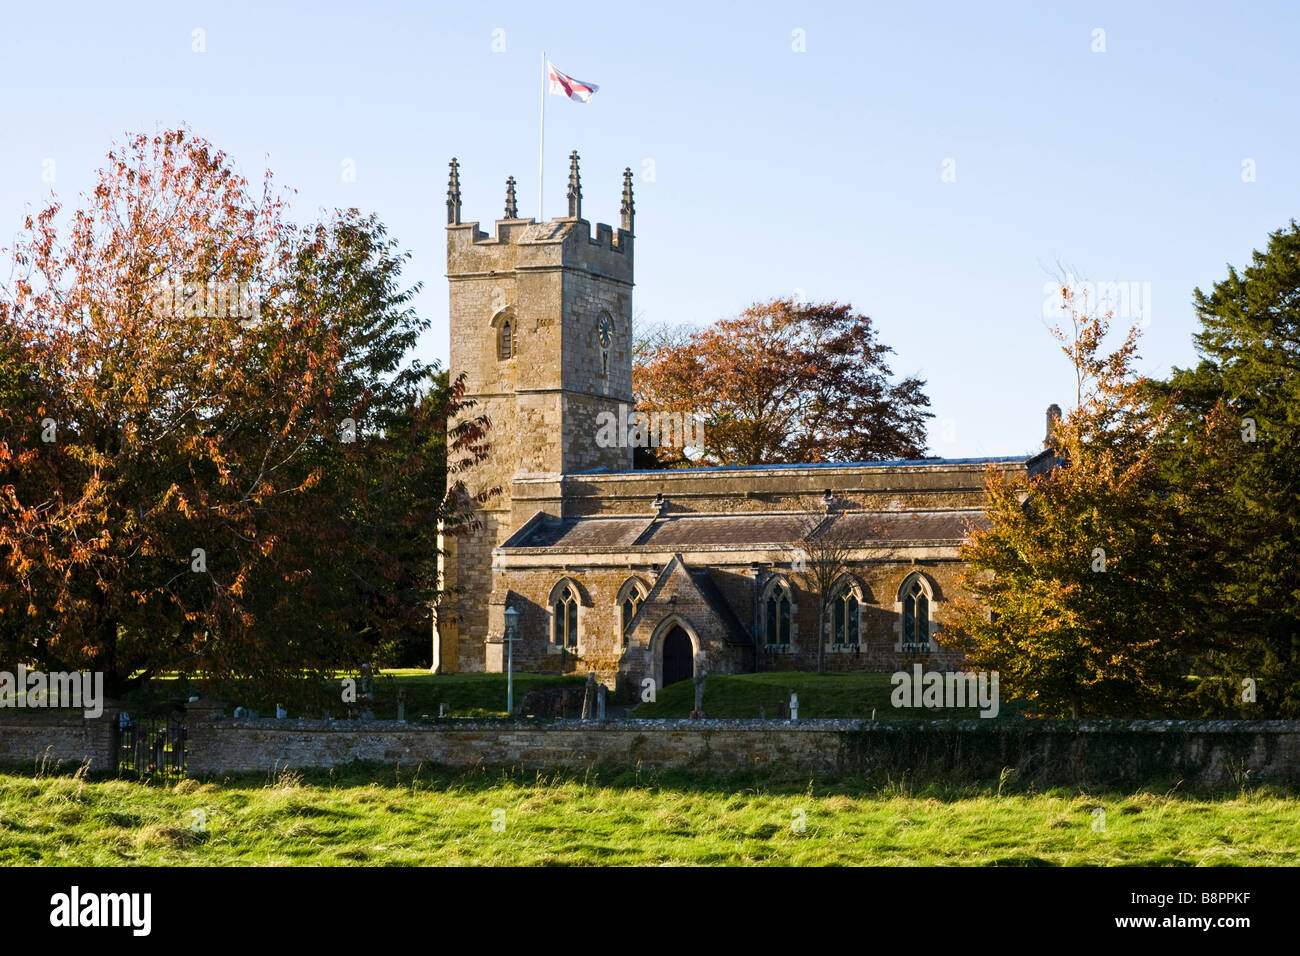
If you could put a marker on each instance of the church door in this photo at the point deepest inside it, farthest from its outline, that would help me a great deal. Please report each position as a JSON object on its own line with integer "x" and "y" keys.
{"x": 679, "y": 661}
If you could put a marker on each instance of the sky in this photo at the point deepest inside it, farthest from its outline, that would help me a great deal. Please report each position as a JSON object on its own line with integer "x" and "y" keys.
{"x": 933, "y": 164}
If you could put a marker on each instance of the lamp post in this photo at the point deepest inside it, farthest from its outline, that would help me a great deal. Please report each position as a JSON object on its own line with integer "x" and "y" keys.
{"x": 512, "y": 622}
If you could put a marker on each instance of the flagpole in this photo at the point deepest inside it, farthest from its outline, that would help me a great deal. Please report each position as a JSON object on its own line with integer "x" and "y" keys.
{"x": 541, "y": 142}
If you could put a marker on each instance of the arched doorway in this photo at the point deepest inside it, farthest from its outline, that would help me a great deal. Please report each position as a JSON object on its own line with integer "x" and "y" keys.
{"x": 679, "y": 657}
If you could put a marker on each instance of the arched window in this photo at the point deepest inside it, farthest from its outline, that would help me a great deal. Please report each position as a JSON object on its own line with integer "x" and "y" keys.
{"x": 844, "y": 615}
{"x": 778, "y": 615}
{"x": 629, "y": 602}
{"x": 564, "y": 618}
{"x": 505, "y": 340}
{"x": 915, "y": 598}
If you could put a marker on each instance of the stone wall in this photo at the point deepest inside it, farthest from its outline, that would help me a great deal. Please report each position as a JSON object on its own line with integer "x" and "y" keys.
{"x": 30, "y": 736}
{"x": 599, "y": 581}
{"x": 1200, "y": 753}
{"x": 1046, "y": 753}
{"x": 877, "y": 487}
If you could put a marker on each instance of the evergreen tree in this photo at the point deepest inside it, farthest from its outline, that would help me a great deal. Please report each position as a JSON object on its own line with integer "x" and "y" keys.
{"x": 1232, "y": 454}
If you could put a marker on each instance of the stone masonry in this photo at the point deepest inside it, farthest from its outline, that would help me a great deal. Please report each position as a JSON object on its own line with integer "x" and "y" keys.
{"x": 541, "y": 324}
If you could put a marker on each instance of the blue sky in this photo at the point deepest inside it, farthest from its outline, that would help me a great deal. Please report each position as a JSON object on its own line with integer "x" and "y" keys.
{"x": 775, "y": 171}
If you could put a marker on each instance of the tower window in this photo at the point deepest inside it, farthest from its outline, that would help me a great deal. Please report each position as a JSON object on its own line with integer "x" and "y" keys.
{"x": 505, "y": 341}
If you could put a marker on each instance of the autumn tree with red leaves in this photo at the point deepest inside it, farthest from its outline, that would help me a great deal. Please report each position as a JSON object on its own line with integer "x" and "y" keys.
{"x": 214, "y": 458}
{"x": 787, "y": 382}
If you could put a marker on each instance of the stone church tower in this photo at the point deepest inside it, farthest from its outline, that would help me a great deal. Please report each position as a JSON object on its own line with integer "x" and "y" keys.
{"x": 541, "y": 323}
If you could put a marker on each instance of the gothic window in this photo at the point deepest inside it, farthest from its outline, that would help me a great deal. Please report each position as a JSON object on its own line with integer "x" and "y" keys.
{"x": 778, "y": 613}
{"x": 916, "y": 598}
{"x": 564, "y": 618}
{"x": 505, "y": 340}
{"x": 629, "y": 602}
{"x": 844, "y": 615}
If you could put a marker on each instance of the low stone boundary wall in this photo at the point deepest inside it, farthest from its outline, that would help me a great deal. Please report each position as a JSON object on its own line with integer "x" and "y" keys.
{"x": 1048, "y": 753}
{"x": 1201, "y": 753}
{"x": 59, "y": 737}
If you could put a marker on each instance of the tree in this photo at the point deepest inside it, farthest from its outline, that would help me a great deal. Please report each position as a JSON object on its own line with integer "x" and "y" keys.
{"x": 229, "y": 402}
{"x": 1072, "y": 589}
{"x": 412, "y": 489}
{"x": 1232, "y": 444}
{"x": 23, "y": 404}
{"x": 820, "y": 558}
{"x": 788, "y": 382}
{"x": 651, "y": 337}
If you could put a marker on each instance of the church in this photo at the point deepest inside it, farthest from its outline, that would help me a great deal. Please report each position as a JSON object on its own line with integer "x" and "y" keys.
{"x": 662, "y": 574}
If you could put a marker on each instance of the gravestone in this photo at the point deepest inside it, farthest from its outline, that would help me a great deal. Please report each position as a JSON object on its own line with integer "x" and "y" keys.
{"x": 589, "y": 697}
{"x": 698, "y": 712}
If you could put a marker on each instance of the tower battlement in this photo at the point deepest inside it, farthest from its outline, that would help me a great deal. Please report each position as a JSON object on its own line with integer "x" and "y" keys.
{"x": 518, "y": 243}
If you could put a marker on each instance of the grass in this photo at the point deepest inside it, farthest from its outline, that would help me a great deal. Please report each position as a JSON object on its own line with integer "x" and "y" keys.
{"x": 855, "y": 695}
{"x": 466, "y": 695}
{"x": 820, "y": 695}
{"x": 425, "y": 816}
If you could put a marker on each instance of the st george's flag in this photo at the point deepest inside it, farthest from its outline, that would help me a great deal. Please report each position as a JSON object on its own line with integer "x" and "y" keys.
{"x": 568, "y": 86}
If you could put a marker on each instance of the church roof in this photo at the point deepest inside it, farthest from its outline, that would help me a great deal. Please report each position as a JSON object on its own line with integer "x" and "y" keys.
{"x": 580, "y": 534}
{"x": 896, "y": 463}
{"x": 676, "y": 531}
{"x": 906, "y": 525}
{"x": 693, "y": 531}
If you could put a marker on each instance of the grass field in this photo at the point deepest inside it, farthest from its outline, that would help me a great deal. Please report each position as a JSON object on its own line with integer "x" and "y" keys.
{"x": 418, "y": 816}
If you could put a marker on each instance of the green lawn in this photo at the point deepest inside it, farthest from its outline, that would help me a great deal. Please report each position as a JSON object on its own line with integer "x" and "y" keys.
{"x": 820, "y": 695}
{"x": 484, "y": 695}
{"x": 466, "y": 695}
{"x": 417, "y": 815}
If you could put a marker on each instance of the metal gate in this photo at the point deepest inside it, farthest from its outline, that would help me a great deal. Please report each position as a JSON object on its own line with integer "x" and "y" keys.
{"x": 151, "y": 746}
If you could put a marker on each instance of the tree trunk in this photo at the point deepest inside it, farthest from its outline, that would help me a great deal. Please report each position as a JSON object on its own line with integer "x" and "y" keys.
{"x": 114, "y": 683}
{"x": 821, "y": 636}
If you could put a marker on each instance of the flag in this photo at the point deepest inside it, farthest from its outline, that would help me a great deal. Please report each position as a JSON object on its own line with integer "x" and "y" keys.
{"x": 573, "y": 89}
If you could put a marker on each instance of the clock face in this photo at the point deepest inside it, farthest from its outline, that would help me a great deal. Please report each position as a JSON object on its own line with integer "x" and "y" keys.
{"x": 605, "y": 329}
